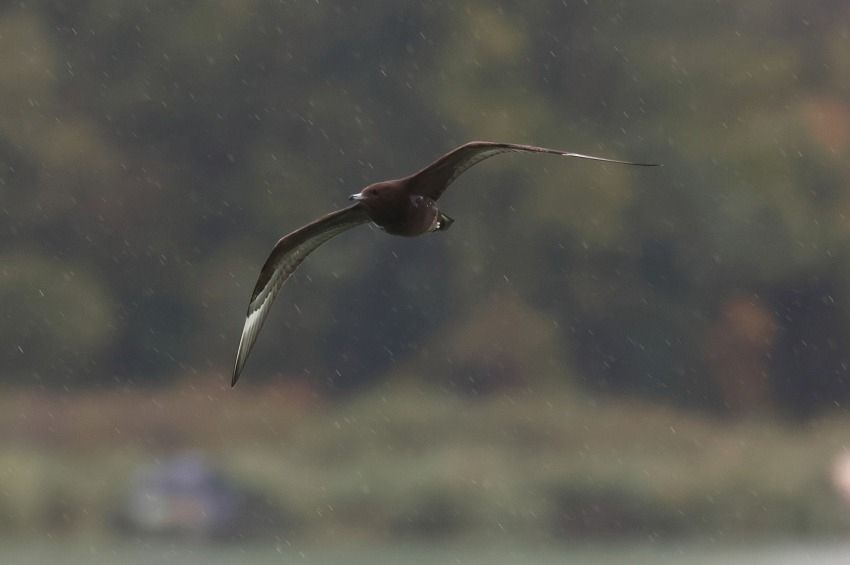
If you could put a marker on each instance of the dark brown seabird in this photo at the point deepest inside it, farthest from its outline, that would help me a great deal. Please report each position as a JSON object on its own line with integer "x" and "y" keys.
{"x": 405, "y": 206}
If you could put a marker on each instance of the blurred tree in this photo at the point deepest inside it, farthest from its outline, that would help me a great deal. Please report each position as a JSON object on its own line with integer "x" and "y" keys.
{"x": 58, "y": 322}
{"x": 151, "y": 153}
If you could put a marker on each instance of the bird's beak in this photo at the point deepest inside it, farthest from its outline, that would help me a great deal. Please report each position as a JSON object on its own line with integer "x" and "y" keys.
{"x": 356, "y": 196}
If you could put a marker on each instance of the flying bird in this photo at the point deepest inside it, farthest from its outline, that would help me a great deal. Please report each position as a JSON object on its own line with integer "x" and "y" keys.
{"x": 405, "y": 207}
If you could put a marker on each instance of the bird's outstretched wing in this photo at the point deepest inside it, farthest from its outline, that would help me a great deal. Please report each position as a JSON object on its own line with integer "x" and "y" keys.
{"x": 436, "y": 177}
{"x": 289, "y": 252}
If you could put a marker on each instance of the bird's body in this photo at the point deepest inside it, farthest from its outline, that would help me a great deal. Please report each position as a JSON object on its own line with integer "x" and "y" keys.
{"x": 396, "y": 211}
{"x": 403, "y": 207}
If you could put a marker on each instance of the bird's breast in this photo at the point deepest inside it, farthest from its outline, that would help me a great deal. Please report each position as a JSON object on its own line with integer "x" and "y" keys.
{"x": 415, "y": 218}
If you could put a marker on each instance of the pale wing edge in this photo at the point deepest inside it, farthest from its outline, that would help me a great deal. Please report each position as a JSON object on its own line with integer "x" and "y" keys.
{"x": 457, "y": 161}
{"x": 284, "y": 259}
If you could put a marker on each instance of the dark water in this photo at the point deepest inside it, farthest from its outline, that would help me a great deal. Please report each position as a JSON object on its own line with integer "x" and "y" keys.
{"x": 693, "y": 554}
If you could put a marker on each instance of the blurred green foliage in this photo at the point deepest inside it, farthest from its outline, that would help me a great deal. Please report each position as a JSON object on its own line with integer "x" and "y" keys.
{"x": 412, "y": 462}
{"x": 152, "y": 152}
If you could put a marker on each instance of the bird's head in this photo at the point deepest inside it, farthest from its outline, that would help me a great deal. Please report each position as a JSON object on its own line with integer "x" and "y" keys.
{"x": 370, "y": 193}
{"x": 391, "y": 193}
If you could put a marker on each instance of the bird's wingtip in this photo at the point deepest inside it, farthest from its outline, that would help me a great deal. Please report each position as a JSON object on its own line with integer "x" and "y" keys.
{"x": 237, "y": 369}
{"x": 640, "y": 164}
{"x": 637, "y": 164}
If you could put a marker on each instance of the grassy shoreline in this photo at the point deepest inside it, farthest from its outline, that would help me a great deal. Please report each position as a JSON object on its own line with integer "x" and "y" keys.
{"x": 405, "y": 462}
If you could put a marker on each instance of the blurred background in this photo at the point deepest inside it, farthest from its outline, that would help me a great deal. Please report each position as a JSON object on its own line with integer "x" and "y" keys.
{"x": 593, "y": 359}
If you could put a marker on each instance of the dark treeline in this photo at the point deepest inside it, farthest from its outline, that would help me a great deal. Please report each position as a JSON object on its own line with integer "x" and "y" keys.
{"x": 151, "y": 153}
